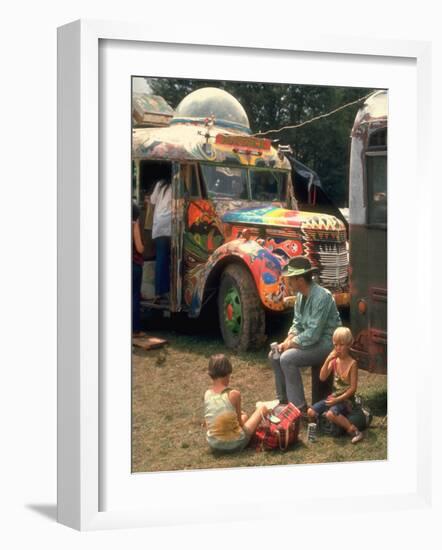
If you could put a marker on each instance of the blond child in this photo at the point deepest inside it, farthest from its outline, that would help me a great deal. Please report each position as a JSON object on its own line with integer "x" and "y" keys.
{"x": 228, "y": 427}
{"x": 344, "y": 369}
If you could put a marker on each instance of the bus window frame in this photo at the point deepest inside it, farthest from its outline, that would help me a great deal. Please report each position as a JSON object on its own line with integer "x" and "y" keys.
{"x": 188, "y": 168}
{"x": 373, "y": 151}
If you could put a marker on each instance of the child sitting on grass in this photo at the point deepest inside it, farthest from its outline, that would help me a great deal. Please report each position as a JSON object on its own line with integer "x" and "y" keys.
{"x": 344, "y": 368}
{"x": 228, "y": 427}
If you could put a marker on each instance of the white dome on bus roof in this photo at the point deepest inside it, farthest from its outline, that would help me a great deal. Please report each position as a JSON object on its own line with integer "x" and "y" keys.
{"x": 374, "y": 107}
{"x": 205, "y": 102}
{"x": 377, "y": 104}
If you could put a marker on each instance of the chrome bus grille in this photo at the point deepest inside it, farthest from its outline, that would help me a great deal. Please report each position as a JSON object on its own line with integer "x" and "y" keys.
{"x": 332, "y": 261}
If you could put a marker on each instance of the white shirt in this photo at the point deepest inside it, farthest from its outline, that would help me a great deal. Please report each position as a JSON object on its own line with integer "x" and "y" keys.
{"x": 162, "y": 215}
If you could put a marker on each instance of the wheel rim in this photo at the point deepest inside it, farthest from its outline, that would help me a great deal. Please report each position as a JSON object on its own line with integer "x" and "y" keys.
{"x": 232, "y": 311}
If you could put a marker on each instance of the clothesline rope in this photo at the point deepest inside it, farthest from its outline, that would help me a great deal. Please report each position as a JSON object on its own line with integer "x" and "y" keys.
{"x": 325, "y": 115}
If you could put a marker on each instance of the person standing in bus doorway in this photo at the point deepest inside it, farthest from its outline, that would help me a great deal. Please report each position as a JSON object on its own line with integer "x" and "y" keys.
{"x": 137, "y": 270}
{"x": 309, "y": 340}
{"x": 161, "y": 198}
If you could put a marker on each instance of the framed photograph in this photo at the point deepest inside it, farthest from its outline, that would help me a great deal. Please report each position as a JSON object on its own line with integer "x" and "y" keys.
{"x": 188, "y": 194}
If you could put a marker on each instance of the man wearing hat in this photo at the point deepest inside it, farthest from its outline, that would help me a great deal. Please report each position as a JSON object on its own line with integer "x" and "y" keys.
{"x": 309, "y": 340}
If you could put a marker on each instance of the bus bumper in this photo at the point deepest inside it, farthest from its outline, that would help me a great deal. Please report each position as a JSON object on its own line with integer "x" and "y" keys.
{"x": 342, "y": 299}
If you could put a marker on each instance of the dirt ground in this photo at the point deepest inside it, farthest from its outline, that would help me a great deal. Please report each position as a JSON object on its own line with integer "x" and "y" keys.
{"x": 167, "y": 409}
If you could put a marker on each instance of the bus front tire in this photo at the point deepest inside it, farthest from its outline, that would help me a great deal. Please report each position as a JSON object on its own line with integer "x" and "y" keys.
{"x": 241, "y": 314}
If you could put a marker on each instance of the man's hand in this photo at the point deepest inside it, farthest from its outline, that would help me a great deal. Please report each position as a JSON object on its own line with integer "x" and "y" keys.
{"x": 283, "y": 346}
{"x": 287, "y": 344}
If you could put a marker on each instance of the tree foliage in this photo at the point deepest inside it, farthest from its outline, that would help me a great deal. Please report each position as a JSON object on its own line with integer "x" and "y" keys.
{"x": 323, "y": 145}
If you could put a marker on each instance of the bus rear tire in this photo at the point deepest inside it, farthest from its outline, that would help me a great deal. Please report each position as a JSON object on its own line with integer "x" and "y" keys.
{"x": 240, "y": 312}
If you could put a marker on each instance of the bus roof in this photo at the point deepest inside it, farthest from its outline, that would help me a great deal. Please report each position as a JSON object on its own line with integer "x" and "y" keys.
{"x": 202, "y": 142}
{"x": 208, "y": 125}
{"x": 373, "y": 111}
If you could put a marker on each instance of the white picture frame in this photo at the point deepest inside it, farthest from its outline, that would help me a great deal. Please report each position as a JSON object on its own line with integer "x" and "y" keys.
{"x": 82, "y": 293}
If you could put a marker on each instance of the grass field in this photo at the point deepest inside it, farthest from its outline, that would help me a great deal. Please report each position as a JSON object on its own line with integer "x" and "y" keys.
{"x": 167, "y": 409}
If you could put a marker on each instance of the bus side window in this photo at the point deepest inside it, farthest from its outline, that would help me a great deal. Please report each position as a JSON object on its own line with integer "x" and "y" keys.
{"x": 194, "y": 183}
{"x": 377, "y": 188}
{"x": 376, "y": 177}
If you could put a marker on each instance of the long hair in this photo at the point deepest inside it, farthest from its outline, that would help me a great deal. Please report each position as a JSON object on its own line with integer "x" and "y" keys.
{"x": 164, "y": 182}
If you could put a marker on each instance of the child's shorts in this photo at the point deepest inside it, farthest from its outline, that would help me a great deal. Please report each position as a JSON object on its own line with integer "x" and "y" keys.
{"x": 340, "y": 408}
{"x": 229, "y": 446}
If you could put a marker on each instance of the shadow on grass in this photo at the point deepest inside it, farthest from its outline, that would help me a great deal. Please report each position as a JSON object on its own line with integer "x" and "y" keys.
{"x": 254, "y": 448}
{"x": 377, "y": 401}
{"x": 206, "y": 343}
{"x": 204, "y": 331}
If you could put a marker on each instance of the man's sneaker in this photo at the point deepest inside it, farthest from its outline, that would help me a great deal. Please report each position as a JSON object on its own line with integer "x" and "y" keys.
{"x": 357, "y": 437}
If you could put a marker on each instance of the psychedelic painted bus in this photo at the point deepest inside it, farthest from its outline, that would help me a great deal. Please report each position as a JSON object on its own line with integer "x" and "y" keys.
{"x": 235, "y": 221}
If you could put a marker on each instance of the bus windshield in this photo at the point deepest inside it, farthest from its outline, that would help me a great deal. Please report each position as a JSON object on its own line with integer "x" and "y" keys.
{"x": 225, "y": 182}
{"x": 267, "y": 186}
{"x": 231, "y": 183}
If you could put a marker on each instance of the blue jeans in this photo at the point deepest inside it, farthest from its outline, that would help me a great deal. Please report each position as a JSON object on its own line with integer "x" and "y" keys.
{"x": 340, "y": 408}
{"x": 137, "y": 275}
{"x": 162, "y": 265}
{"x": 288, "y": 380}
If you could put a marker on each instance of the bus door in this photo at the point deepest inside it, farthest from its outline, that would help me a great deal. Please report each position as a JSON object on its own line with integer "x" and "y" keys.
{"x": 376, "y": 188}
{"x": 202, "y": 235}
{"x": 193, "y": 250}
